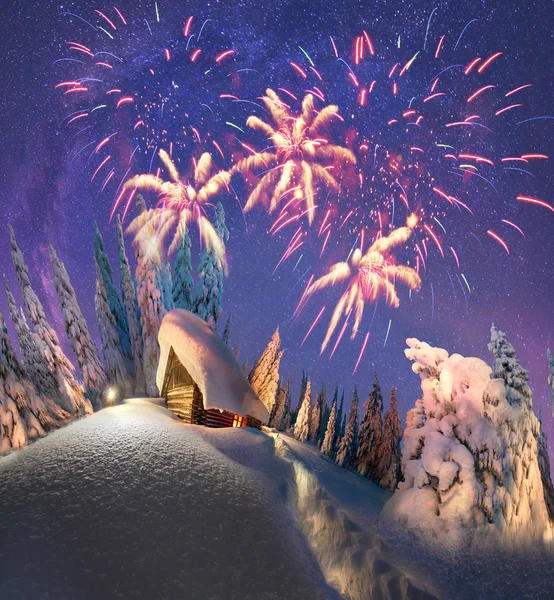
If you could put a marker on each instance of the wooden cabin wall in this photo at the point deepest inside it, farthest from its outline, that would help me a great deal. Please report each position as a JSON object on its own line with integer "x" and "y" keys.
{"x": 184, "y": 398}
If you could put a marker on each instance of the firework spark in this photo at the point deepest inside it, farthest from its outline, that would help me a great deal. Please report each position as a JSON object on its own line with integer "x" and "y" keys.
{"x": 180, "y": 200}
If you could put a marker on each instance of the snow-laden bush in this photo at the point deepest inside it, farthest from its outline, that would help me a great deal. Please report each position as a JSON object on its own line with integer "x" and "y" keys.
{"x": 470, "y": 449}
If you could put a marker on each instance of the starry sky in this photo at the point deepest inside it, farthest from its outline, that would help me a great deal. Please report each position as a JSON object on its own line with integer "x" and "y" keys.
{"x": 48, "y": 197}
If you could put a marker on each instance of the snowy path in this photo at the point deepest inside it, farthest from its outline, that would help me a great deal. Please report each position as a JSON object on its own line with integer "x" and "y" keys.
{"x": 478, "y": 572}
{"x": 339, "y": 512}
{"x": 129, "y": 503}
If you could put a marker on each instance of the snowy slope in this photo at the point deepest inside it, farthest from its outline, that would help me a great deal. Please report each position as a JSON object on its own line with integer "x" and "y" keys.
{"x": 130, "y": 503}
{"x": 477, "y": 572}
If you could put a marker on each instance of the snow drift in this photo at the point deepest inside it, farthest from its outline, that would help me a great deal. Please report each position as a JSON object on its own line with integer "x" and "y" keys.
{"x": 470, "y": 450}
{"x": 210, "y": 362}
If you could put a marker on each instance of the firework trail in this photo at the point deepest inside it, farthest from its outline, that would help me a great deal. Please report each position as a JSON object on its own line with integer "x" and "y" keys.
{"x": 126, "y": 88}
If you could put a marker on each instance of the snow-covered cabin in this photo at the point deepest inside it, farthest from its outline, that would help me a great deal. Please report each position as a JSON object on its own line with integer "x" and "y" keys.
{"x": 200, "y": 377}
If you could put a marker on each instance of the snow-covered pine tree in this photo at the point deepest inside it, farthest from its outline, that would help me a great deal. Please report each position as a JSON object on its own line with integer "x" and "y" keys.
{"x": 151, "y": 308}
{"x": 315, "y": 420}
{"x": 303, "y": 384}
{"x": 13, "y": 428}
{"x": 285, "y": 423}
{"x": 114, "y": 363}
{"x": 226, "y": 331}
{"x": 70, "y": 393}
{"x": 265, "y": 373}
{"x": 16, "y": 389}
{"x": 282, "y": 407}
{"x": 371, "y": 434}
{"x": 114, "y": 301}
{"x": 346, "y": 454}
{"x": 325, "y": 413}
{"x": 339, "y": 430}
{"x": 328, "y": 446}
{"x": 544, "y": 467}
{"x": 32, "y": 350}
{"x": 470, "y": 455}
{"x": 166, "y": 286}
{"x": 130, "y": 304}
{"x": 302, "y": 425}
{"x": 209, "y": 289}
{"x": 78, "y": 334}
{"x": 183, "y": 282}
{"x": 276, "y": 414}
{"x": 390, "y": 455}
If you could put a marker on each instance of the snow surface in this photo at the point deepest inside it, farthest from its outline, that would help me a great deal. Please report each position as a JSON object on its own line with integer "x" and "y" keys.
{"x": 481, "y": 570}
{"x": 210, "y": 362}
{"x": 132, "y": 503}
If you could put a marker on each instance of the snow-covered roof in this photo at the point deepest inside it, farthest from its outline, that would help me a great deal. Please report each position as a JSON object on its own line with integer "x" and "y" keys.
{"x": 210, "y": 362}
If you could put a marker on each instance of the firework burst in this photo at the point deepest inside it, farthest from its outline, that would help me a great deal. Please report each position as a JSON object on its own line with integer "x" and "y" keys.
{"x": 180, "y": 200}
{"x": 299, "y": 158}
{"x": 369, "y": 276}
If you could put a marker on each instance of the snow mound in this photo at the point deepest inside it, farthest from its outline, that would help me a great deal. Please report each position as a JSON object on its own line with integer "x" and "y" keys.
{"x": 210, "y": 362}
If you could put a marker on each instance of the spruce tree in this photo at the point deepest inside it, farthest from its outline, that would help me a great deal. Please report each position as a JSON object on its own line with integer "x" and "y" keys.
{"x": 521, "y": 443}
{"x": 183, "y": 282}
{"x": 285, "y": 423}
{"x": 340, "y": 418}
{"x": 24, "y": 415}
{"x": 114, "y": 363}
{"x": 78, "y": 334}
{"x": 226, "y": 331}
{"x": 325, "y": 413}
{"x": 276, "y": 415}
{"x": 166, "y": 285}
{"x": 371, "y": 434}
{"x": 209, "y": 289}
{"x": 264, "y": 375}
{"x": 114, "y": 300}
{"x": 70, "y": 393}
{"x": 390, "y": 455}
{"x": 328, "y": 446}
{"x": 152, "y": 310}
{"x": 303, "y": 384}
{"x": 302, "y": 425}
{"x": 130, "y": 304}
{"x": 544, "y": 467}
{"x": 315, "y": 420}
{"x": 346, "y": 454}
{"x": 32, "y": 351}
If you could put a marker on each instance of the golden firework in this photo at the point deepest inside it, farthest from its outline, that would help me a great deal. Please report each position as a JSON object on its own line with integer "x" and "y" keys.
{"x": 180, "y": 200}
{"x": 299, "y": 157}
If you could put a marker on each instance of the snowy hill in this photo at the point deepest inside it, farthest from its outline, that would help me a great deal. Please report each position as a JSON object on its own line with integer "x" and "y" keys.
{"x": 131, "y": 503}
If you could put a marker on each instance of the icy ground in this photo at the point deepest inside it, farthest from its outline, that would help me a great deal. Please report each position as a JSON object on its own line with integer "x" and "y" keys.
{"x": 130, "y": 503}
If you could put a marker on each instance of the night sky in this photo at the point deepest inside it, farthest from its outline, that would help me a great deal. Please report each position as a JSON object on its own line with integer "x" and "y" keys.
{"x": 47, "y": 194}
